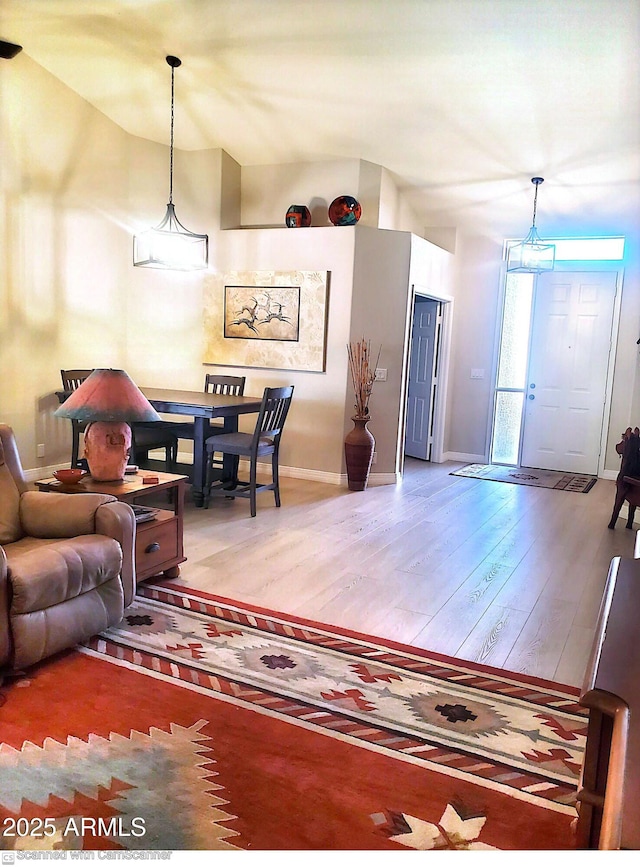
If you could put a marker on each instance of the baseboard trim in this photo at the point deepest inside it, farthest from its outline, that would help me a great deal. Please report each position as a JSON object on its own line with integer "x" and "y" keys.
{"x": 37, "y": 473}
{"x": 465, "y": 458}
{"x": 308, "y": 475}
{"x": 375, "y": 479}
{"x": 382, "y": 479}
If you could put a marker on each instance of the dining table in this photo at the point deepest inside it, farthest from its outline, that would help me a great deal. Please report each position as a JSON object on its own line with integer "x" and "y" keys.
{"x": 202, "y": 407}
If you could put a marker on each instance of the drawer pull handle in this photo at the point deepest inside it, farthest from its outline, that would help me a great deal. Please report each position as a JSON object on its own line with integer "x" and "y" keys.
{"x": 154, "y": 546}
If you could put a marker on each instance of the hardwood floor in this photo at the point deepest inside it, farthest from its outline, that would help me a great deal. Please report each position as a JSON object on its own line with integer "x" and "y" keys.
{"x": 506, "y": 575}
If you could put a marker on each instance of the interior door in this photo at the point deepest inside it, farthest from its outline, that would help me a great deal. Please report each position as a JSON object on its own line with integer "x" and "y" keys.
{"x": 567, "y": 377}
{"x": 422, "y": 378}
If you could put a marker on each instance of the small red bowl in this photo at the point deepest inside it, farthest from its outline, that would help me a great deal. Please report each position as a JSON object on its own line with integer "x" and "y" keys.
{"x": 71, "y": 476}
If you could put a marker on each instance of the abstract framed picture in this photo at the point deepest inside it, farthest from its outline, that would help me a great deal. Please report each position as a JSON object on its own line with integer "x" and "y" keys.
{"x": 262, "y": 312}
{"x": 269, "y": 319}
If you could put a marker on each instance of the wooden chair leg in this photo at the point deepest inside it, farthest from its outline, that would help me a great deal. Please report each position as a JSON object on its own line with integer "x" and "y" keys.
{"x": 252, "y": 486}
{"x": 75, "y": 447}
{"x": 171, "y": 457}
{"x": 207, "y": 479}
{"x": 630, "y": 517}
{"x": 616, "y": 510}
{"x": 276, "y": 477}
{"x": 233, "y": 482}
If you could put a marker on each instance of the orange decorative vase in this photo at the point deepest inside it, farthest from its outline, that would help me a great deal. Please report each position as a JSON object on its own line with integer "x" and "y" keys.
{"x": 358, "y": 451}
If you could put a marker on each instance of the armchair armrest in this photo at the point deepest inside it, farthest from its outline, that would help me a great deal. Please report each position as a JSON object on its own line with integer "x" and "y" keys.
{"x": 60, "y": 516}
{"x": 118, "y": 521}
{"x": 5, "y": 643}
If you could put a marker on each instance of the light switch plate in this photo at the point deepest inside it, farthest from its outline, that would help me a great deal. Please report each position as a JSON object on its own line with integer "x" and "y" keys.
{"x": 477, "y": 373}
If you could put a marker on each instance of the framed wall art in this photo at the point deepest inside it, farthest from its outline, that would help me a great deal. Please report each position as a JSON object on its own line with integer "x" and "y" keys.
{"x": 272, "y": 319}
{"x": 262, "y": 312}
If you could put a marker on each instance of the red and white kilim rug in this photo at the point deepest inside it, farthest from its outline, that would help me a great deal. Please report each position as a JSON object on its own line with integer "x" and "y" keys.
{"x": 225, "y": 727}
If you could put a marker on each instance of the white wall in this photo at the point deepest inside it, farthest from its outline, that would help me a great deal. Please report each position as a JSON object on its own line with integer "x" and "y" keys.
{"x": 314, "y": 435}
{"x": 477, "y": 290}
{"x": 625, "y": 398}
{"x": 379, "y": 313}
{"x": 63, "y": 208}
{"x": 267, "y": 191}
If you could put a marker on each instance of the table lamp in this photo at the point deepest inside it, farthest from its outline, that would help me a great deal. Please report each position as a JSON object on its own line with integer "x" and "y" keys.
{"x": 108, "y": 400}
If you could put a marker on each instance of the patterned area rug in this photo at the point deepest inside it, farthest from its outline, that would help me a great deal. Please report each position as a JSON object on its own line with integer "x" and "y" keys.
{"x": 202, "y": 724}
{"x": 526, "y": 476}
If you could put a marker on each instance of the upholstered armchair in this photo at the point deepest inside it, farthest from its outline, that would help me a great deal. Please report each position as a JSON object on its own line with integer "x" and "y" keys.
{"x": 67, "y": 568}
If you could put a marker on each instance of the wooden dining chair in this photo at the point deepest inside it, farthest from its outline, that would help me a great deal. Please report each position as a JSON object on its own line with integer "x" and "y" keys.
{"x": 265, "y": 440}
{"x": 71, "y": 379}
{"x": 214, "y": 383}
{"x": 628, "y": 480}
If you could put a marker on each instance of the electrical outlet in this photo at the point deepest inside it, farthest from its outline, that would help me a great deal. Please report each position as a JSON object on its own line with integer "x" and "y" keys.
{"x": 374, "y": 459}
{"x": 40, "y": 450}
{"x": 381, "y": 374}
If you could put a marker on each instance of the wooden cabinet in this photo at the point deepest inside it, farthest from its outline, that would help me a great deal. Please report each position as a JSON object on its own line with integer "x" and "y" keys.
{"x": 159, "y": 545}
{"x": 609, "y": 795}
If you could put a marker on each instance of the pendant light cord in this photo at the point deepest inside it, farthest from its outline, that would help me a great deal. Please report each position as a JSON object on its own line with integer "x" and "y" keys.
{"x": 171, "y": 146}
{"x": 536, "y": 182}
{"x": 535, "y": 200}
{"x": 173, "y": 62}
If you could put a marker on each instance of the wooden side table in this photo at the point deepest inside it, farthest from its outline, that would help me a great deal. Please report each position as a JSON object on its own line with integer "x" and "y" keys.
{"x": 159, "y": 543}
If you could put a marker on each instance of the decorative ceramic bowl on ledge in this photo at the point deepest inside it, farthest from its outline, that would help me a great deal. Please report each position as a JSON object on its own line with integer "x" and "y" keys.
{"x": 345, "y": 211}
{"x": 70, "y": 476}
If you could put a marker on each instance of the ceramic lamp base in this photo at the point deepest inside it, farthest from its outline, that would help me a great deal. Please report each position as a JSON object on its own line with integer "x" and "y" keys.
{"x": 106, "y": 447}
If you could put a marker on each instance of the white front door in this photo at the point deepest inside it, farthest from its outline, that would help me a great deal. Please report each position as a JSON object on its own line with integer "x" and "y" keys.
{"x": 568, "y": 363}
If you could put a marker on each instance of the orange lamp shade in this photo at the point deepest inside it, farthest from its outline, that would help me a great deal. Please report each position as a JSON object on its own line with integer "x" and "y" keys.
{"x": 108, "y": 395}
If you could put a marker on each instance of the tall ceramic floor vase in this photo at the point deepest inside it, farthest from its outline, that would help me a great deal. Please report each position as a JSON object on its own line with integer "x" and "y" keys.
{"x": 358, "y": 451}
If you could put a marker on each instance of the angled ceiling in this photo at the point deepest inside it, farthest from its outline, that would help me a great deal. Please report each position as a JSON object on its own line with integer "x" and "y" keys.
{"x": 462, "y": 100}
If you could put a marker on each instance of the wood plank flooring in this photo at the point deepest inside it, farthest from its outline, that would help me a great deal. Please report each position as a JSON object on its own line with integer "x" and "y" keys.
{"x": 506, "y": 575}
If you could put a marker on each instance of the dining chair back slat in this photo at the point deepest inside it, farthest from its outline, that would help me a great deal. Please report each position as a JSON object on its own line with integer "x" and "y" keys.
{"x": 215, "y": 383}
{"x": 275, "y": 406}
{"x": 71, "y": 379}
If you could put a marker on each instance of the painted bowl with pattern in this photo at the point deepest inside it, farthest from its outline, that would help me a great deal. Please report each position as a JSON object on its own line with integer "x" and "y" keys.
{"x": 345, "y": 211}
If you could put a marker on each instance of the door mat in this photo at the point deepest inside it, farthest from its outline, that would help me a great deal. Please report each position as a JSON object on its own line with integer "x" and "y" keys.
{"x": 526, "y": 476}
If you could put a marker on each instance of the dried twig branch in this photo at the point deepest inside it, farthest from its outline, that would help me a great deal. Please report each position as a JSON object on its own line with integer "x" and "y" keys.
{"x": 363, "y": 374}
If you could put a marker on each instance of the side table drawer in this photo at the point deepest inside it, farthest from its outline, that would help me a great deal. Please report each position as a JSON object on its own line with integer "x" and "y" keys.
{"x": 156, "y": 544}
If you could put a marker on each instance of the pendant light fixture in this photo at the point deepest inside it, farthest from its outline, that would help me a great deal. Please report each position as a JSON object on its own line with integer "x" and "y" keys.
{"x": 533, "y": 255}
{"x": 170, "y": 245}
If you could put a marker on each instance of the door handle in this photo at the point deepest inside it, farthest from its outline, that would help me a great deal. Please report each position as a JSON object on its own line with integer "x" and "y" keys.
{"x": 532, "y": 397}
